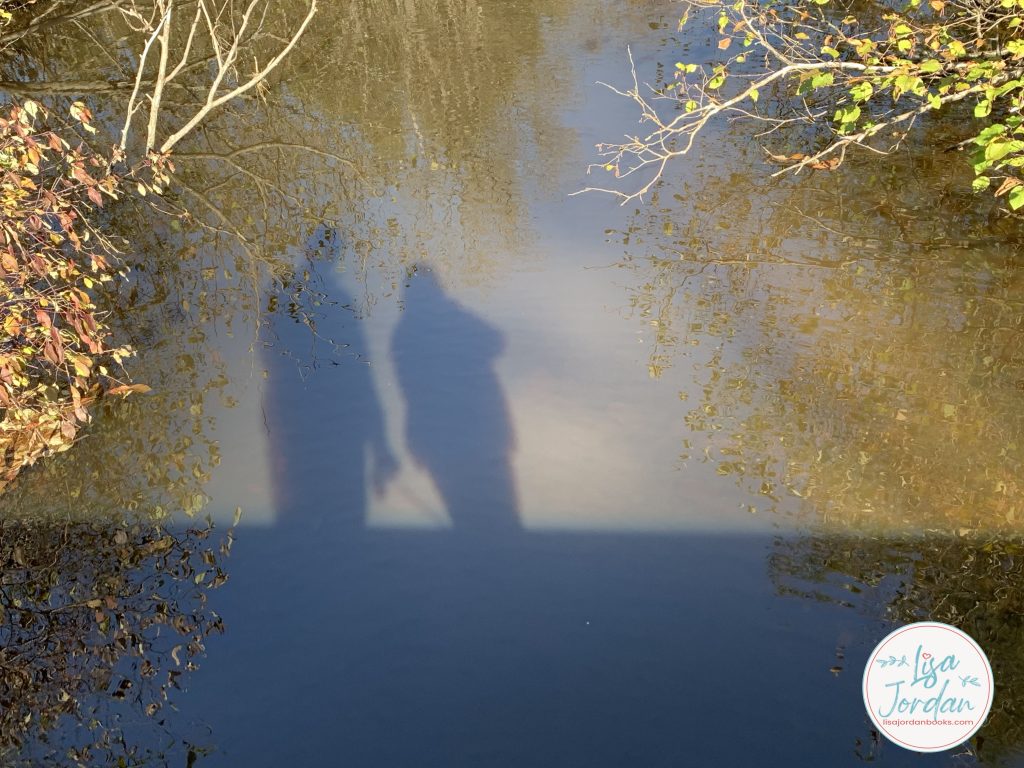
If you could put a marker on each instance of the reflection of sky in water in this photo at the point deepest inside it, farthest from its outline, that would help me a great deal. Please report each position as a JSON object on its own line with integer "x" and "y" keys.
{"x": 597, "y": 441}
{"x": 789, "y": 351}
{"x": 469, "y": 535}
{"x": 543, "y": 580}
{"x": 592, "y": 441}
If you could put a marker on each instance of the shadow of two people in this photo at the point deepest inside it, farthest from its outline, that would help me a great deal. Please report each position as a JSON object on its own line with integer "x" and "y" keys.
{"x": 325, "y": 417}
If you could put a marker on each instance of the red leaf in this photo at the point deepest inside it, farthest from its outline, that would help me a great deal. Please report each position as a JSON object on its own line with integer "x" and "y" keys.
{"x": 53, "y": 353}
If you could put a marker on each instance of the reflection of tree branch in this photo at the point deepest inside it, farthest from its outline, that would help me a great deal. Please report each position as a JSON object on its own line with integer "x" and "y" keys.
{"x": 231, "y": 230}
{"x": 259, "y": 146}
{"x": 227, "y": 227}
{"x": 44, "y": 20}
{"x": 66, "y": 87}
{"x": 260, "y": 181}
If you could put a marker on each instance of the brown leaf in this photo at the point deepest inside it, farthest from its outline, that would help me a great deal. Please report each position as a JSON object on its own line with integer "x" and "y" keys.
{"x": 125, "y": 389}
{"x": 826, "y": 165}
{"x": 784, "y": 158}
{"x": 53, "y": 353}
{"x": 79, "y": 173}
{"x": 1007, "y": 185}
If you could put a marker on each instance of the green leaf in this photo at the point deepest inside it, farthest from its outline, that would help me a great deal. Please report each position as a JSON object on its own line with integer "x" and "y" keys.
{"x": 908, "y": 84}
{"x": 930, "y": 66}
{"x": 1005, "y": 88}
{"x": 980, "y": 183}
{"x": 848, "y": 114}
{"x": 1016, "y": 197}
{"x": 999, "y": 148}
{"x": 822, "y": 80}
{"x": 989, "y": 133}
{"x": 862, "y": 91}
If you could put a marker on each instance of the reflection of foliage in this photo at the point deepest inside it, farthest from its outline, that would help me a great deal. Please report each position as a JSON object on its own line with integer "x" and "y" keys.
{"x": 149, "y": 457}
{"x": 472, "y": 103}
{"x": 153, "y": 453}
{"x": 54, "y": 360}
{"x": 977, "y": 585}
{"x": 54, "y": 352}
{"x": 99, "y": 622}
{"x": 442, "y": 149}
{"x": 862, "y": 346}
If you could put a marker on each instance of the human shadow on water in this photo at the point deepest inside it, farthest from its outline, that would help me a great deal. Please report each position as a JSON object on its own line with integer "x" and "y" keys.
{"x": 490, "y": 644}
{"x": 323, "y": 415}
{"x": 457, "y": 424}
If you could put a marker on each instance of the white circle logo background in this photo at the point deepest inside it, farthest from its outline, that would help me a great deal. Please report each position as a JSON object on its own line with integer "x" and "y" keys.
{"x": 928, "y": 686}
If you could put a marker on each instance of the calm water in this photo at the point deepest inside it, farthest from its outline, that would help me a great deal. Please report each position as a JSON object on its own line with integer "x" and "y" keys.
{"x": 535, "y": 480}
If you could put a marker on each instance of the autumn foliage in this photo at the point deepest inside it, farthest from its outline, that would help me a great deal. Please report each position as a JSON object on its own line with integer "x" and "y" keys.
{"x": 55, "y": 351}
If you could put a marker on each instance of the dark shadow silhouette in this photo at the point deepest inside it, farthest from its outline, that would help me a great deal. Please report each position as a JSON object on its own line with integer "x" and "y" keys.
{"x": 323, "y": 415}
{"x": 457, "y": 423}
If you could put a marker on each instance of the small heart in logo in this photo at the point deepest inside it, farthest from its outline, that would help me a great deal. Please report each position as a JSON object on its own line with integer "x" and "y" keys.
{"x": 926, "y": 655}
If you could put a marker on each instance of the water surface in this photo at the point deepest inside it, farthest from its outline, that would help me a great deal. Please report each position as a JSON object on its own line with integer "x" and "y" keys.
{"x": 532, "y": 479}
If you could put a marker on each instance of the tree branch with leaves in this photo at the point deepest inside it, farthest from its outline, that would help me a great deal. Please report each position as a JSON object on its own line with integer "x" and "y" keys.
{"x": 56, "y": 353}
{"x": 841, "y": 75}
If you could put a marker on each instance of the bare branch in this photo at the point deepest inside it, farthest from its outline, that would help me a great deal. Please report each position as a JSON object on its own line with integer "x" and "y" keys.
{"x": 161, "y": 78}
{"x": 213, "y": 101}
{"x": 229, "y": 38}
{"x": 138, "y": 79}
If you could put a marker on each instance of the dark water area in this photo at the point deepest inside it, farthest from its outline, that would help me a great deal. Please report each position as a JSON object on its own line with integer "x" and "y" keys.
{"x": 532, "y": 479}
{"x": 457, "y": 648}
